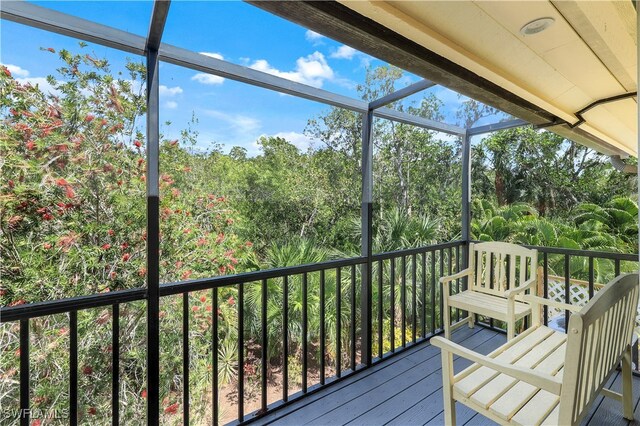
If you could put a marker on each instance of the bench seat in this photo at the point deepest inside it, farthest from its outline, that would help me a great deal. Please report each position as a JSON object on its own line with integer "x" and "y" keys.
{"x": 487, "y": 305}
{"x": 510, "y": 400}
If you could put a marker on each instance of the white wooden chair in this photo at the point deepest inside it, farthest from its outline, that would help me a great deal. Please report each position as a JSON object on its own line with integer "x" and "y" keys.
{"x": 545, "y": 376}
{"x": 499, "y": 274}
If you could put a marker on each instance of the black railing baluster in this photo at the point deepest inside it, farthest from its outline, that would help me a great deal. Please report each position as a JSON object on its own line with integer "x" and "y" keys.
{"x": 115, "y": 365}
{"x": 214, "y": 355}
{"x": 338, "y": 322}
{"x": 567, "y": 289}
{"x": 403, "y": 301}
{"x": 240, "y": 352}
{"x": 617, "y": 267}
{"x": 380, "y": 308}
{"x": 414, "y": 289}
{"x": 591, "y": 291}
{"x": 433, "y": 291}
{"x": 353, "y": 318}
{"x": 392, "y": 320}
{"x": 25, "y": 400}
{"x": 545, "y": 287}
{"x": 458, "y": 280}
{"x": 440, "y": 288}
{"x": 73, "y": 367}
{"x": 305, "y": 332}
{"x": 285, "y": 338}
{"x": 265, "y": 346}
{"x": 423, "y": 295}
{"x": 323, "y": 337}
{"x": 185, "y": 358}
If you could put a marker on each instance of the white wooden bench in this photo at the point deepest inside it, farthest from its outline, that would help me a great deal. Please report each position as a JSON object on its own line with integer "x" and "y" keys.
{"x": 499, "y": 275}
{"x": 544, "y": 376}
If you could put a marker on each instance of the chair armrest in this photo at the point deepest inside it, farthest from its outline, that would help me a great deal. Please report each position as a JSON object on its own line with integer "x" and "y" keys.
{"x": 541, "y": 300}
{"x": 510, "y": 294}
{"x": 455, "y": 276}
{"x": 543, "y": 381}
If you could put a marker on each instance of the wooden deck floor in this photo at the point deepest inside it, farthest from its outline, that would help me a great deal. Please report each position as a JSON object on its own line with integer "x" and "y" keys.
{"x": 407, "y": 390}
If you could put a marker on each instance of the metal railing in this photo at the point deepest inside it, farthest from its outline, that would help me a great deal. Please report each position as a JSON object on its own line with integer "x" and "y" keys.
{"x": 406, "y": 308}
{"x": 407, "y": 304}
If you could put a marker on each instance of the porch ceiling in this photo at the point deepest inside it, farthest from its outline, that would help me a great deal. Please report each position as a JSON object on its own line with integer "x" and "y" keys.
{"x": 589, "y": 53}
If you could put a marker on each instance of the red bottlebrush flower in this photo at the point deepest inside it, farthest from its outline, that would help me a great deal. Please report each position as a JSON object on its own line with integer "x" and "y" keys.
{"x": 92, "y": 411}
{"x": 113, "y": 275}
{"x": 143, "y": 178}
{"x": 186, "y": 274}
{"x": 138, "y": 144}
{"x": 173, "y": 142}
{"x": 172, "y": 409}
{"x": 111, "y": 232}
{"x": 63, "y": 331}
{"x": 119, "y": 183}
{"x": 3, "y": 291}
{"x": 30, "y": 145}
{"x": 103, "y": 122}
{"x": 222, "y": 269}
{"x": 17, "y": 353}
{"x": 175, "y": 192}
{"x": 208, "y": 308}
{"x": 89, "y": 118}
{"x": 140, "y": 161}
{"x": 87, "y": 370}
{"x": 143, "y": 393}
{"x": 47, "y": 216}
{"x": 231, "y": 301}
{"x": 11, "y": 183}
{"x": 124, "y": 246}
{"x": 18, "y": 302}
{"x": 201, "y": 242}
{"x": 179, "y": 264}
{"x": 51, "y": 49}
{"x": 36, "y": 422}
{"x": 203, "y": 299}
{"x": 142, "y": 271}
{"x": 186, "y": 231}
{"x": 195, "y": 308}
{"x": 69, "y": 191}
{"x": 229, "y": 221}
{"x": 248, "y": 244}
{"x": 126, "y": 257}
{"x": 6, "y": 71}
{"x": 46, "y": 246}
{"x": 220, "y": 238}
{"x": 61, "y": 182}
{"x": 106, "y": 246}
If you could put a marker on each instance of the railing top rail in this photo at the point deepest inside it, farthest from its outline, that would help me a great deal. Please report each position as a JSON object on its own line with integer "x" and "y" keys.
{"x": 417, "y": 250}
{"x": 587, "y": 253}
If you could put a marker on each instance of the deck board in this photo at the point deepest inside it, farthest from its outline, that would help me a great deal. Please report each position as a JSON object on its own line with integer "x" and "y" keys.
{"x": 407, "y": 390}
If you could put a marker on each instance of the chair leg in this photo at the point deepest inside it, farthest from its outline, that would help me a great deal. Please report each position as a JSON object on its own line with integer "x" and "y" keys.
{"x": 627, "y": 385}
{"x": 446, "y": 317}
{"x": 472, "y": 319}
{"x": 447, "y": 389}
{"x": 510, "y": 330}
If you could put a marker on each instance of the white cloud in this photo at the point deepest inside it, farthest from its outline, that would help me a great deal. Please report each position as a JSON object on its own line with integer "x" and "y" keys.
{"x": 312, "y": 70}
{"x": 169, "y": 91}
{"x": 16, "y": 71}
{"x": 238, "y": 122}
{"x": 301, "y": 141}
{"x": 344, "y": 52}
{"x": 313, "y": 37}
{"x": 207, "y": 79}
{"x": 171, "y": 105}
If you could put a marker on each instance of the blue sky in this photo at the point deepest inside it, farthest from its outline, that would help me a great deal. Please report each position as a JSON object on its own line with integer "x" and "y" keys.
{"x": 229, "y": 113}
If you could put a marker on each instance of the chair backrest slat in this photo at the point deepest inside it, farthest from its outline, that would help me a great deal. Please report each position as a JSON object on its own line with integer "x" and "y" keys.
{"x": 598, "y": 335}
{"x": 498, "y": 266}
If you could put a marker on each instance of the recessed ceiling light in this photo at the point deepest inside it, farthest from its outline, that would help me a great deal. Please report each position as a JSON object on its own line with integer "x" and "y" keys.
{"x": 536, "y": 26}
